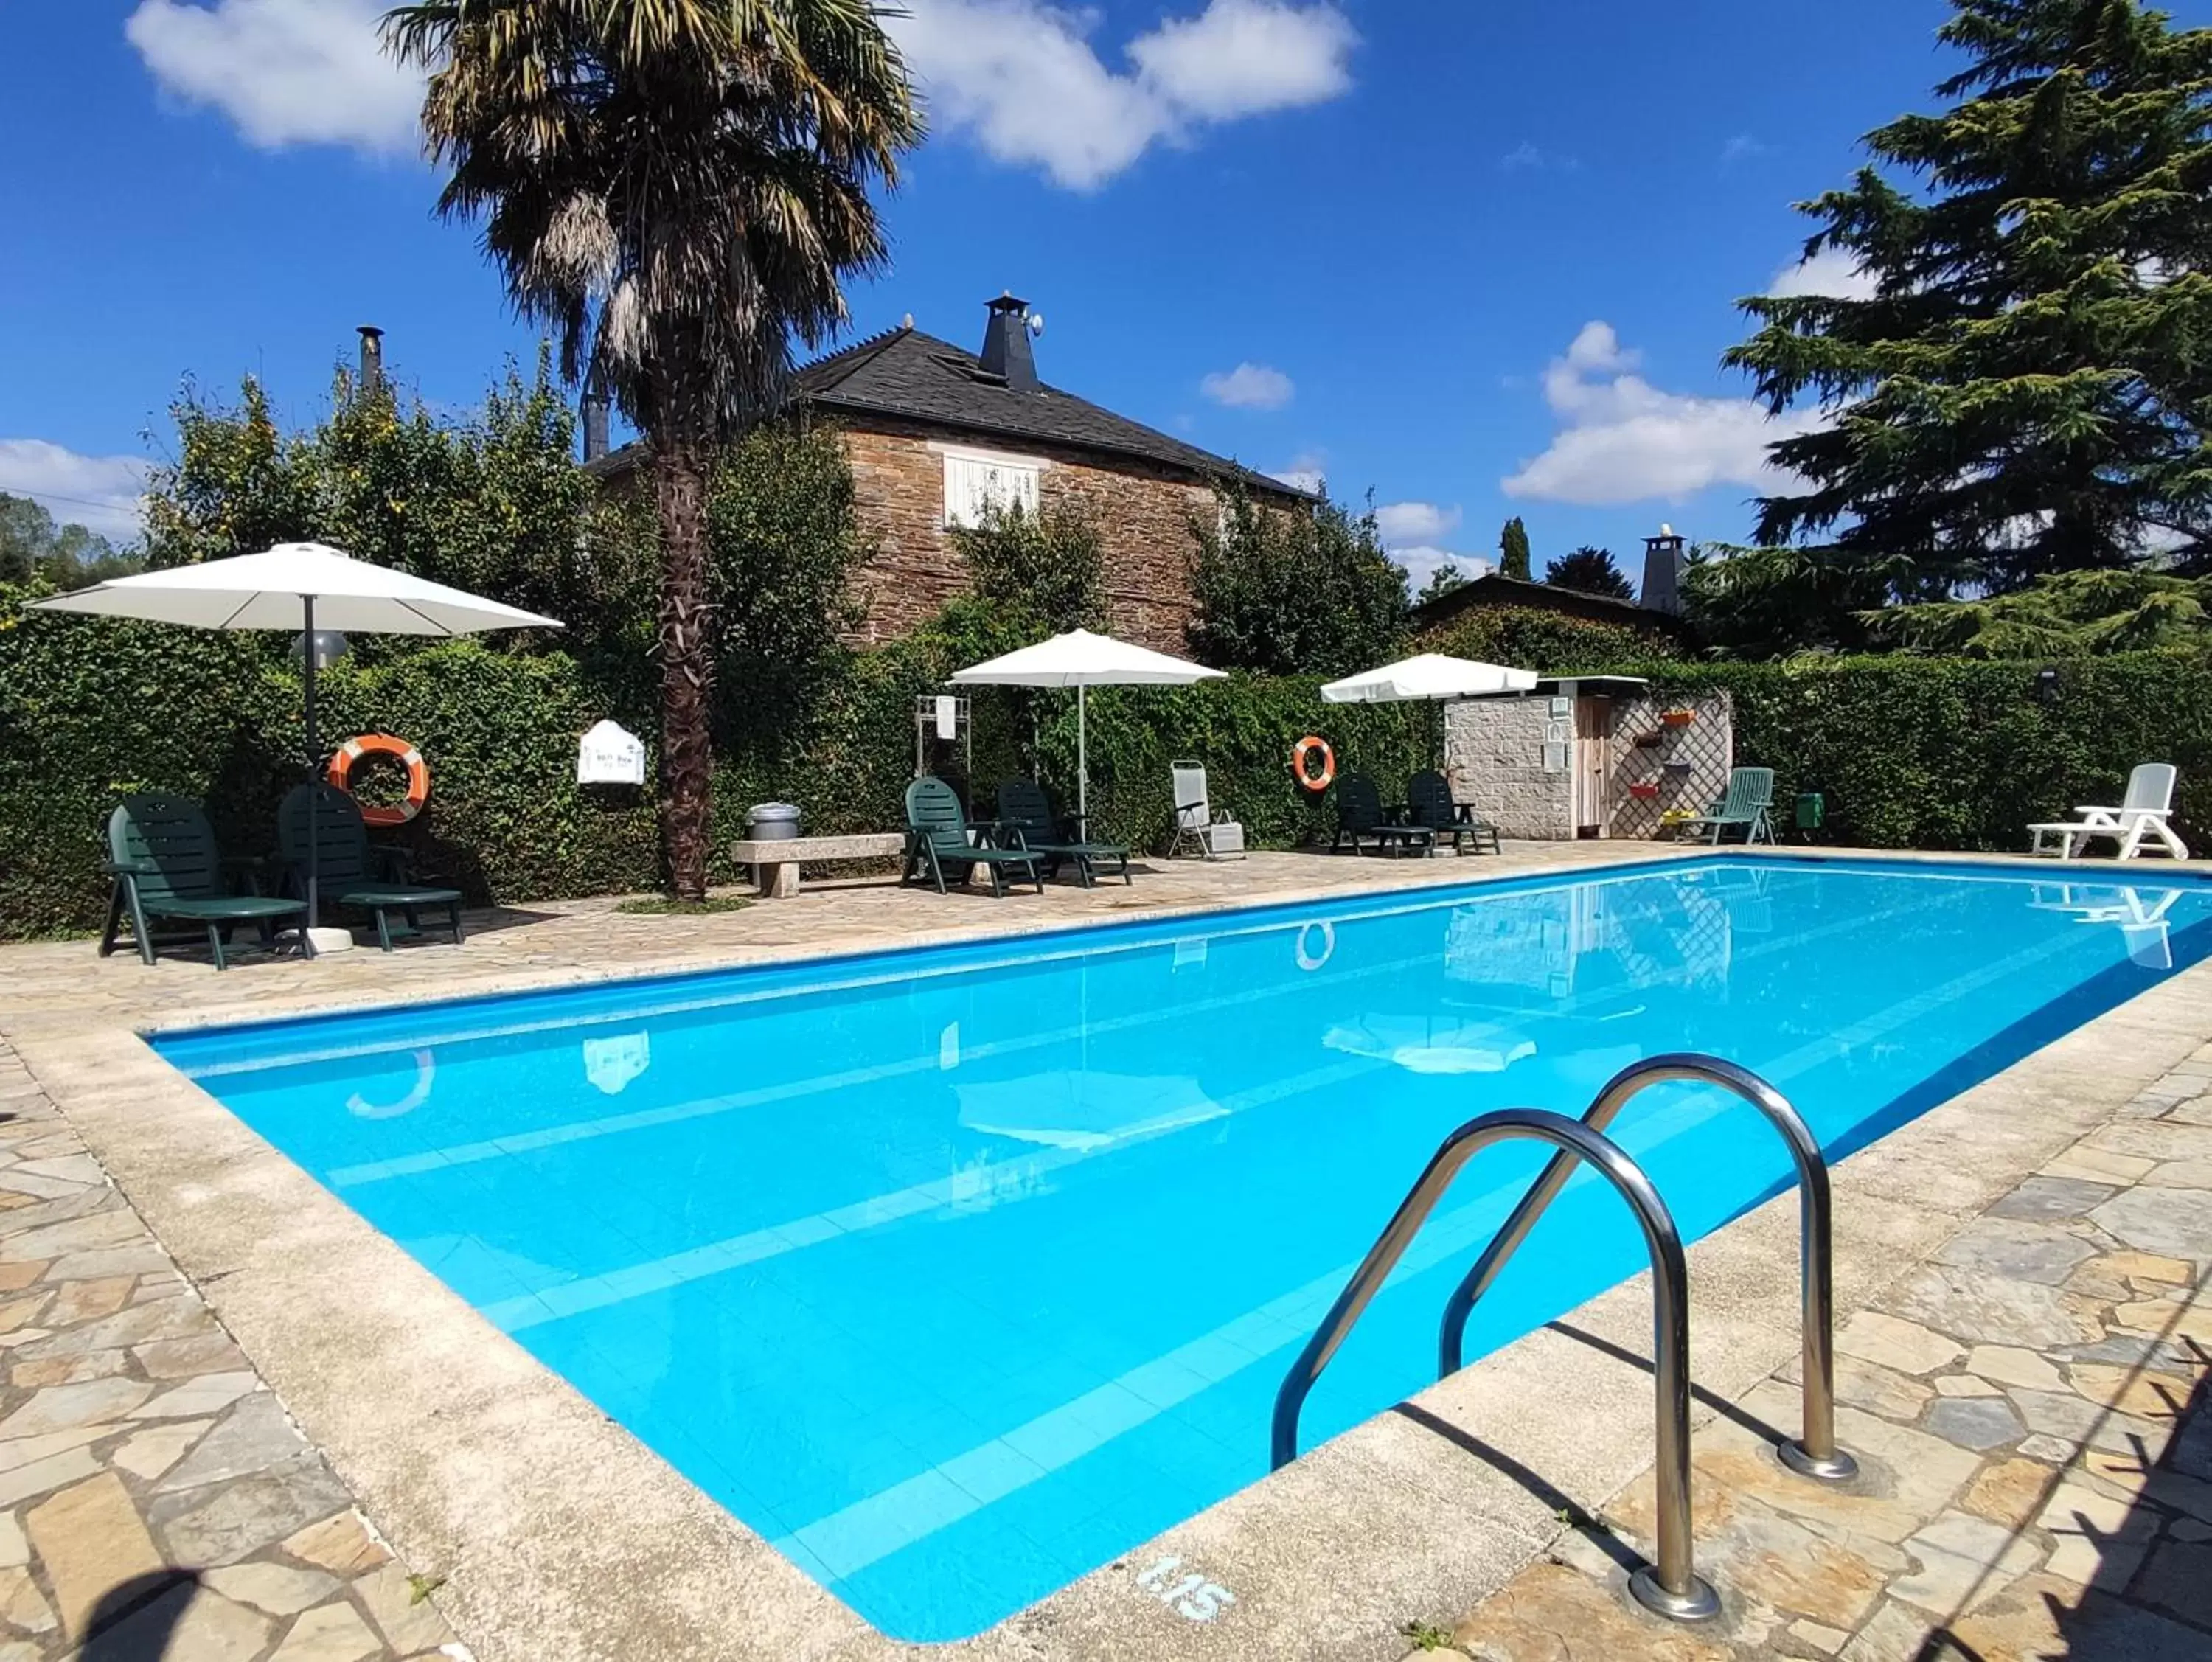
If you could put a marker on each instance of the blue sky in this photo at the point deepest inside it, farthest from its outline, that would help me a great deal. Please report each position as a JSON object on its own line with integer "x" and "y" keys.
{"x": 1479, "y": 256}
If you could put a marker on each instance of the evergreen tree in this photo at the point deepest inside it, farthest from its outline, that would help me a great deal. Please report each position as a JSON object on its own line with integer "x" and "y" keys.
{"x": 1513, "y": 549}
{"x": 1591, "y": 571}
{"x": 2022, "y": 388}
{"x": 1443, "y": 581}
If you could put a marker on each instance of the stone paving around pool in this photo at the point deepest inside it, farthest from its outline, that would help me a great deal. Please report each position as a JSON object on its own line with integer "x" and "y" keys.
{"x": 155, "y": 1500}
{"x": 2027, "y": 1409}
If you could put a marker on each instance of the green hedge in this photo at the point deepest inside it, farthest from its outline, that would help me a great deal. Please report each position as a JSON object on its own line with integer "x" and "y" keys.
{"x": 90, "y": 710}
{"x": 1911, "y": 751}
{"x": 1957, "y": 754}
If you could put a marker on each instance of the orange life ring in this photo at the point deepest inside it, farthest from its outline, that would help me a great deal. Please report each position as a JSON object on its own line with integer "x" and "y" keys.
{"x": 1305, "y": 747}
{"x": 383, "y": 744}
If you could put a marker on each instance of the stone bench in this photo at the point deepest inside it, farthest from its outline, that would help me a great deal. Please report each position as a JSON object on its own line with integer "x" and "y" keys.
{"x": 775, "y": 861}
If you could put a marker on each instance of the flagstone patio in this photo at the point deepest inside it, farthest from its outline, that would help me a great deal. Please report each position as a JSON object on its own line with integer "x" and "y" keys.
{"x": 2026, "y": 1401}
{"x": 2027, "y": 1408}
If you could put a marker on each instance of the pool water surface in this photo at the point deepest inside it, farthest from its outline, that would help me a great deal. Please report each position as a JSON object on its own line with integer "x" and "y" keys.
{"x": 957, "y": 1272}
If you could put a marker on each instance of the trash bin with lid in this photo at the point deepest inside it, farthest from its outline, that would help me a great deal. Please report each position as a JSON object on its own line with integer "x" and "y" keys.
{"x": 772, "y": 821}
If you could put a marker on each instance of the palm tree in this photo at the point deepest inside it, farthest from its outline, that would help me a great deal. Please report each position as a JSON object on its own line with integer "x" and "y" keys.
{"x": 678, "y": 188}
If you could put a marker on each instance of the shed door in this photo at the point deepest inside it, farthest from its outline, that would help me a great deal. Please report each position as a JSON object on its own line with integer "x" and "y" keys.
{"x": 1593, "y": 765}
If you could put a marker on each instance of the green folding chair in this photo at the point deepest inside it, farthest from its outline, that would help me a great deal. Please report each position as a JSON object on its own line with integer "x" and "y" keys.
{"x": 937, "y": 843}
{"x": 163, "y": 856}
{"x": 1750, "y": 795}
{"x": 347, "y": 871}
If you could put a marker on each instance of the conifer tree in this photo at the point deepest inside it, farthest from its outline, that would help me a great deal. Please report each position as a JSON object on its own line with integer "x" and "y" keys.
{"x": 2021, "y": 380}
{"x": 1513, "y": 549}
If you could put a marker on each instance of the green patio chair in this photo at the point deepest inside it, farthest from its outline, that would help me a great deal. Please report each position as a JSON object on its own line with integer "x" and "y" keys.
{"x": 937, "y": 842}
{"x": 1359, "y": 816}
{"x": 349, "y": 872}
{"x": 1026, "y": 821}
{"x": 162, "y": 855}
{"x": 1429, "y": 802}
{"x": 1750, "y": 795}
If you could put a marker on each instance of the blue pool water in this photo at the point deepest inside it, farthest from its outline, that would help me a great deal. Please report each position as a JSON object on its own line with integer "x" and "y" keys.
{"x": 959, "y": 1272}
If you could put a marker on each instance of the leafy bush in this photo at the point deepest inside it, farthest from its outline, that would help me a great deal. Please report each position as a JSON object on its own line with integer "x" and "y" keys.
{"x": 1552, "y": 642}
{"x": 1293, "y": 593}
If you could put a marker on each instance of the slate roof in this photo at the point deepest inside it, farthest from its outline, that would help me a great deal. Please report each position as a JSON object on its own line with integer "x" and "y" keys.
{"x": 914, "y": 376}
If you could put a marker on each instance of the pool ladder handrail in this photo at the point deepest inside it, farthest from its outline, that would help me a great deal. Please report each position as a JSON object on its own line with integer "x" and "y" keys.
{"x": 1814, "y": 1453}
{"x": 1671, "y": 1585}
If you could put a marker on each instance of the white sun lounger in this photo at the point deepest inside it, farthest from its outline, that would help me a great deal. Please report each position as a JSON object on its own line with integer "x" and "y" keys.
{"x": 2139, "y": 819}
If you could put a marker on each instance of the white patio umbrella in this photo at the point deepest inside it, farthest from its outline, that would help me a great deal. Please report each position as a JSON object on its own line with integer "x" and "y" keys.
{"x": 1082, "y": 660}
{"x": 300, "y": 587}
{"x": 1430, "y": 675}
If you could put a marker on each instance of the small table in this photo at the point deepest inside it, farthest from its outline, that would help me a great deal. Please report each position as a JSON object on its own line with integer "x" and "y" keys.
{"x": 775, "y": 860}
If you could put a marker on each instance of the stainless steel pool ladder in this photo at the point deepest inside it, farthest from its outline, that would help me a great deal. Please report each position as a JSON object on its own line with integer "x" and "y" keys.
{"x": 1671, "y": 1587}
{"x": 1814, "y": 1453}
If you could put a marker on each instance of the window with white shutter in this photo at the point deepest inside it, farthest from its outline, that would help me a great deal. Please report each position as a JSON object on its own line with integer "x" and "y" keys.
{"x": 974, "y": 485}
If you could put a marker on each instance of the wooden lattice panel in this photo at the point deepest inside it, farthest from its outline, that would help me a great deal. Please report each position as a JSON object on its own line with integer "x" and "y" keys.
{"x": 1687, "y": 763}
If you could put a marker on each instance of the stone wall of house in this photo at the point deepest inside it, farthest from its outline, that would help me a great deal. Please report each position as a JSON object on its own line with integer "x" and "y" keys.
{"x": 1142, "y": 514}
{"x": 1494, "y": 758}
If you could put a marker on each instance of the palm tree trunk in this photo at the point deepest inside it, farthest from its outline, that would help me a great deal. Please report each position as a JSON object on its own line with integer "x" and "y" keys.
{"x": 679, "y": 477}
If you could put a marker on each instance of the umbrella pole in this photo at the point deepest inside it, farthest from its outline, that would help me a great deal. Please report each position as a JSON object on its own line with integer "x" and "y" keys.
{"x": 314, "y": 756}
{"x": 1082, "y": 764}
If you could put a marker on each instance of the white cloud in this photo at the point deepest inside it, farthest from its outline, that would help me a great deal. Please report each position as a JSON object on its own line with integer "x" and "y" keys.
{"x": 1414, "y": 522}
{"x": 1249, "y": 386}
{"x": 1307, "y": 472}
{"x": 284, "y": 71}
{"x": 1419, "y": 564}
{"x": 101, "y": 493}
{"x": 1623, "y": 440}
{"x": 1022, "y": 77}
{"x": 1832, "y": 274}
{"x": 1525, "y": 157}
{"x": 1742, "y": 147}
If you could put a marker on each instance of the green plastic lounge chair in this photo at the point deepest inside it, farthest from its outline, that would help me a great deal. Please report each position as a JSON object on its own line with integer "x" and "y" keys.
{"x": 1359, "y": 817}
{"x": 162, "y": 853}
{"x": 1750, "y": 794}
{"x": 347, "y": 871}
{"x": 936, "y": 842}
{"x": 1026, "y": 821}
{"x": 1429, "y": 802}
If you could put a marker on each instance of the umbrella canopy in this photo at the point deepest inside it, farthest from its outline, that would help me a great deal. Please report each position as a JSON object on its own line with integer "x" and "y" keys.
{"x": 1431, "y": 675}
{"x": 302, "y": 586}
{"x": 1079, "y": 659}
{"x": 275, "y": 590}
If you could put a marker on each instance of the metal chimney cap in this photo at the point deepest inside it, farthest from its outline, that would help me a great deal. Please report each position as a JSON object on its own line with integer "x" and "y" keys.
{"x": 369, "y": 332}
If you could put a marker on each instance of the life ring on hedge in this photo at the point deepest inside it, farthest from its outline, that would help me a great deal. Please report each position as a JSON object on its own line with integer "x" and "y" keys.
{"x": 383, "y": 744}
{"x": 1304, "y": 748}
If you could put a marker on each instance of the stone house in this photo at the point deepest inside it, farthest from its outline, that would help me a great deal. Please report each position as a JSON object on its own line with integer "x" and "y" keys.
{"x": 935, "y": 434}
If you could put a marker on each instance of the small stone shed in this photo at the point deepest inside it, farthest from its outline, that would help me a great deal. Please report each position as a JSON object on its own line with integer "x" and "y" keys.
{"x": 1589, "y": 755}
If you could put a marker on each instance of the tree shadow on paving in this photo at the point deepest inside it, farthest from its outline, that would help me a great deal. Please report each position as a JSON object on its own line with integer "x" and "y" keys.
{"x": 135, "y": 1620}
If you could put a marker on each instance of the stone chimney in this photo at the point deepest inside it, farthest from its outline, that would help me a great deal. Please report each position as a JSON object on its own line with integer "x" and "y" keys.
{"x": 1663, "y": 573}
{"x": 372, "y": 356}
{"x": 593, "y": 411}
{"x": 1006, "y": 343}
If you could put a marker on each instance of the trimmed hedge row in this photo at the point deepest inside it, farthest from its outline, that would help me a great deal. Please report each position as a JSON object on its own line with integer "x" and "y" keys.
{"x": 1911, "y": 751}
{"x": 1962, "y": 753}
{"x": 90, "y": 710}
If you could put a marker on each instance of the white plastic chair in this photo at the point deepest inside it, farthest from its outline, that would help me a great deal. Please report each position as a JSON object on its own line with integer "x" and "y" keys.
{"x": 2140, "y": 818}
{"x": 1198, "y": 823}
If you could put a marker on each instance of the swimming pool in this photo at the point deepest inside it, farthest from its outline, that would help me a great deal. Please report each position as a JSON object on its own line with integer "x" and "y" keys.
{"x": 957, "y": 1272}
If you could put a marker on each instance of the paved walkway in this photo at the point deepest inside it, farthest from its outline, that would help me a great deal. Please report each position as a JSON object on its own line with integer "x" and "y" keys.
{"x": 155, "y": 1500}
{"x": 2028, "y": 1412}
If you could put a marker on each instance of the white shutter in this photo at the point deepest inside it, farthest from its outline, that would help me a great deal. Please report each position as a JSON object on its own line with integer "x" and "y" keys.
{"x": 974, "y": 484}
